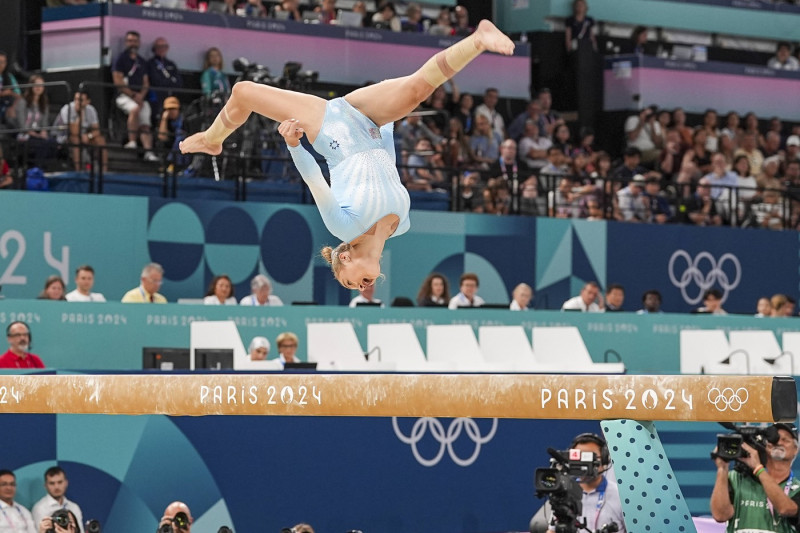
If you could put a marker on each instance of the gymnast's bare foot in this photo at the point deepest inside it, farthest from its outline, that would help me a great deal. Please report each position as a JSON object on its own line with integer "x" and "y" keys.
{"x": 492, "y": 39}
{"x": 197, "y": 143}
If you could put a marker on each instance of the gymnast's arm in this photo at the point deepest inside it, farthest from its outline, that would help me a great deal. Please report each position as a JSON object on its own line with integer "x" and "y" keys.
{"x": 336, "y": 219}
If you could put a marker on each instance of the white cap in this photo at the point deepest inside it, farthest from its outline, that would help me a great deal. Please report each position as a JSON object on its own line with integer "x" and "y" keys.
{"x": 793, "y": 140}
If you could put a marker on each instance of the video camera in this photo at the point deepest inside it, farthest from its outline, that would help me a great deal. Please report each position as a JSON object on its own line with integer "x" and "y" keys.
{"x": 729, "y": 445}
{"x": 559, "y": 484}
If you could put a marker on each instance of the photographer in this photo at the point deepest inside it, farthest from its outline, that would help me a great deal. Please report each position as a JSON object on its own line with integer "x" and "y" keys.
{"x": 61, "y": 521}
{"x": 177, "y": 519}
{"x": 764, "y": 497}
{"x": 600, "y": 495}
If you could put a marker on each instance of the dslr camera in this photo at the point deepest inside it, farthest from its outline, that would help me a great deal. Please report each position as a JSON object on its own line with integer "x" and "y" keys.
{"x": 180, "y": 521}
{"x": 60, "y": 518}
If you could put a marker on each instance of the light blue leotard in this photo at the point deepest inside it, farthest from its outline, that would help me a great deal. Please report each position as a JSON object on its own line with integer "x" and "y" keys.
{"x": 365, "y": 185}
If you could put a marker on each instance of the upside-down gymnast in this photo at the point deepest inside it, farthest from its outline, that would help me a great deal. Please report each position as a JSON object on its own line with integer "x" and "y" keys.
{"x": 366, "y": 203}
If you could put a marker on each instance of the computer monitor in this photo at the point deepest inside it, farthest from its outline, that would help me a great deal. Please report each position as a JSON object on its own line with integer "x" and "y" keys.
{"x": 165, "y": 358}
{"x": 300, "y": 366}
{"x": 213, "y": 359}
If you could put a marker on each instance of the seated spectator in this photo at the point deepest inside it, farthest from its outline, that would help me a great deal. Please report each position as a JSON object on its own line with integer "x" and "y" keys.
{"x": 213, "y": 79}
{"x": 327, "y": 11}
{"x": 287, "y": 347}
{"x": 782, "y": 305}
{"x": 19, "y": 341}
{"x": 769, "y": 212}
{"x": 54, "y": 289}
{"x": 562, "y": 139}
{"x": 290, "y": 7}
{"x": 254, "y": 8}
{"x": 163, "y": 74}
{"x": 746, "y": 184}
{"x": 84, "y": 281}
{"x": 516, "y": 129}
{"x": 386, "y": 17}
{"x": 496, "y": 197}
{"x": 147, "y": 291}
{"x": 444, "y": 24}
{"x": 220, "y": 291}
{"x": 261, "y": 293}
{"x": 749, "y": 149}
{"x": 712, "y": 303}
{"x": 485, "y": 142}
{"x": 732, "y": 128}
{"x": 586, "y": 143}
{"x": 772, "y": 145}
{"x": 412, "y": 129}
{"x": 6, "y": 180}
{"x": 768, "y": 179}
{"x": 720, "y": 178}
{"x": 632, "y": 204}
{"x": 440, "y": 102}
{"x": 259, "y": 349}
{"x": 651, "y": 303}
{"x": 366, "y": 296}
{"x": 763, "y": 308}
{"x": 548, "y": 118}
{"x": 457, "y": 153}
{"x": 171, "y": 131}
{"x": 521, "y": 297}
{"x": 589, "y": 300}
{"x": 489, "y": 110}
{"x": 462, "y": 27}
{"x": 533, "y": 146}
{"x": 424, "y": 168}
{"x": 31, "y": 115}
{"x": 699, "y": 208}
{"x": 507, "y": 167}
{"x": 78, "y": 123}
{"x": 659, "y": 210}
{"x": 434, "y": 291}
{"x": 679, "y": 125}
{"x": 415, "y": 21}
{"x": 783, "y": 59}
{"x": 710, "y": 120}
{"x": 792, "y": 148}
{"x": 615, "y": 298}
{"x": 700, "y": 154}
{"x": 471, "y": 197}
{"x": 566, "y": 200}
{"x": 727, "y": 147}
{"x": 630, "y": 166}
{"x": 644, "y": 132}
{"x": 129, "y": 73}
{"x": 468, "y": 295}
{"x": 464, "y": 112}
{"x": 9, "y": 88}
{"x": 594, "y": 210}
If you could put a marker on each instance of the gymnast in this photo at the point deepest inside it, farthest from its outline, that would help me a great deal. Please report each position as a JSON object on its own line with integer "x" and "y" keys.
{"x": 366, "y": 203}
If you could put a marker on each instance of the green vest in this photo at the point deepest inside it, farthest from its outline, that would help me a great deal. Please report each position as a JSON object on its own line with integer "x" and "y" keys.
{"x": 751, "y": 514}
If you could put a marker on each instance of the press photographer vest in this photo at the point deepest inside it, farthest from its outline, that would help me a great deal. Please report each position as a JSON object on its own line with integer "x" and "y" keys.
{"x": 752, "y": 513}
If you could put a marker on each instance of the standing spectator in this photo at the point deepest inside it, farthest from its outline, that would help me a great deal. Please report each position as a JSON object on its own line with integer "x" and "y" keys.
{"x": 287, "y": 347}
{"x": 712, "y": 303}
{"x": 84, "y": 281}
{"x": 18, "y": 335}
{"x": 467, "y": 296}
{"x": 78, "y": 123}
{"x": 783, "y": 59}
{"x": 55, "y": 483}
{"x": 579, "y": 28}
{"x": 213, "y": 79}
{"x": 651, "y": 303}
{"x": 644, "y": 132}
{"x": 17, "y": 518}
{"x": 261, "y": 293}
{"x": 163, "y": 73}
{"x": 147, "y": 292}
{"x": 366, "y": 295}
{"x": 31, "y": 115}
{"x": 386, "y": 17}
{"x": 434, "y": 291}
{"x": 763, "y": 308}
{"x": 130, "y": 77}
{"x": 615, "y": 298}
{"x": 220, "y": 291}
{"x": 589, "y": 300}
{"x": 171, "y": 131}
{"x": 521, "y": 297}
{"x": 259, "y": 349}
{"x": 462, "y": 27}
{"x": 54, "y": 289}
{"x": 489, "y": 110}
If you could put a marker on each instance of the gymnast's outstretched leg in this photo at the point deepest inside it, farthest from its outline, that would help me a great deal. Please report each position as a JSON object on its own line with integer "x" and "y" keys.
{"x": 393, "y": 99}
{"x": 247, "y": 97}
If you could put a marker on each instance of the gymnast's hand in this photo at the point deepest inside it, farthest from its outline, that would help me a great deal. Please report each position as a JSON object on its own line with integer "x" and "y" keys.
{"x": 291, "y": 131}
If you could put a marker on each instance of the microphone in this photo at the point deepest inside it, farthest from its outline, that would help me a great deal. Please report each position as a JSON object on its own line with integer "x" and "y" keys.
{"x": 558, "y": 456}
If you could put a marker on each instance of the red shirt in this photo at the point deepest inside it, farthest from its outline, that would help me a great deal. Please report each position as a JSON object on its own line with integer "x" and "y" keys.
{"x": 12, "y": 360}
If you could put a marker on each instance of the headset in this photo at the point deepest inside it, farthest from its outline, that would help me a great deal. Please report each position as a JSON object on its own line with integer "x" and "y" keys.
{"x": 605, "y": 456}
{"x": 30, "y": 335}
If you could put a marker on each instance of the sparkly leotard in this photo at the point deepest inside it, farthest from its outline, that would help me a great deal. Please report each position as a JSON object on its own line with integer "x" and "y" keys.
{"x": 365, "y": 185}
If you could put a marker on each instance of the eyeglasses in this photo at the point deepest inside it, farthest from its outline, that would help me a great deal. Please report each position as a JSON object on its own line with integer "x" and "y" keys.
{"x": 15, "y": 335}
{"x": 287, "y": 346}
{"x": 9, "y": 484}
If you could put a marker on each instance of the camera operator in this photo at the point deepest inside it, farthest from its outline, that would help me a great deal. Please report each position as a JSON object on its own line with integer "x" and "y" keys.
{"x": 177, "y": 519}
{"x": 61, "y": 521}
{"x": 765, "y": 497}
{"x": 601, "y": 503}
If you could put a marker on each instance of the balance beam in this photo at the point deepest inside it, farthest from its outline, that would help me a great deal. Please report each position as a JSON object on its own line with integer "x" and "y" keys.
{"x": 576, "y": 397}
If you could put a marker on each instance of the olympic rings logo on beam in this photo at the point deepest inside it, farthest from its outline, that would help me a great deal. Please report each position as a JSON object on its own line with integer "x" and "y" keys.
{"x": 694, "y": 274}
{"x": 445, "y": 438}
{"x": 728, "y": 398}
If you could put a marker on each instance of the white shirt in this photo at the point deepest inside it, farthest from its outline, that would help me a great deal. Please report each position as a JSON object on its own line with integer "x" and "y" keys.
{"x": 577, "y": 303}
{"x": 459, "y": 300}
{"x": 48, "y": 505}
{"x": 643, "y": 141}
{"x": 516, "y": 307}
{"x": 495, "y": 119}
{"x": 251, "y": 299}
{"x": 77, "y": 296}
{"x": 213, "y": 300}
{"x": 16, "y": 519}
{"x": 791, "y": 63}
{"x": 363, "y": 300}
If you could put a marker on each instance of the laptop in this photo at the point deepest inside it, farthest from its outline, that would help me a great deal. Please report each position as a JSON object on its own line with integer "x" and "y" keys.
{"x": 349, "y": 18}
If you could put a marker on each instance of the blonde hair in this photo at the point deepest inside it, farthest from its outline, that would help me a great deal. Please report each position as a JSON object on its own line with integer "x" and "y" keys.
{"x": 286, "y": 336}
{"x": 331, "y": 255}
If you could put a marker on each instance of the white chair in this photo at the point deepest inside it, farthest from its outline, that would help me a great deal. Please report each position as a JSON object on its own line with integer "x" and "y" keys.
{"x": 791, "y": 346}
{"x": 398, "y": 344}
{"x": 508, "y": 345}
{"x": 456, "y": 344}
{"x": 334, "y": 346}
{"x": 218, "y": 334}
{"x": 701, "y": 351}
{"x": 760, "y": 345}
{"x": 561, "y": 349}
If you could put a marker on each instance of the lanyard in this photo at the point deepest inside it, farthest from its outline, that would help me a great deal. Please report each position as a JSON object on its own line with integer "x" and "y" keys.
{"x": 601, "y": 497}
{"x": 145, "y": 298}
{"x": 786, "y": 489}
{"x": 10, "y": 523}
